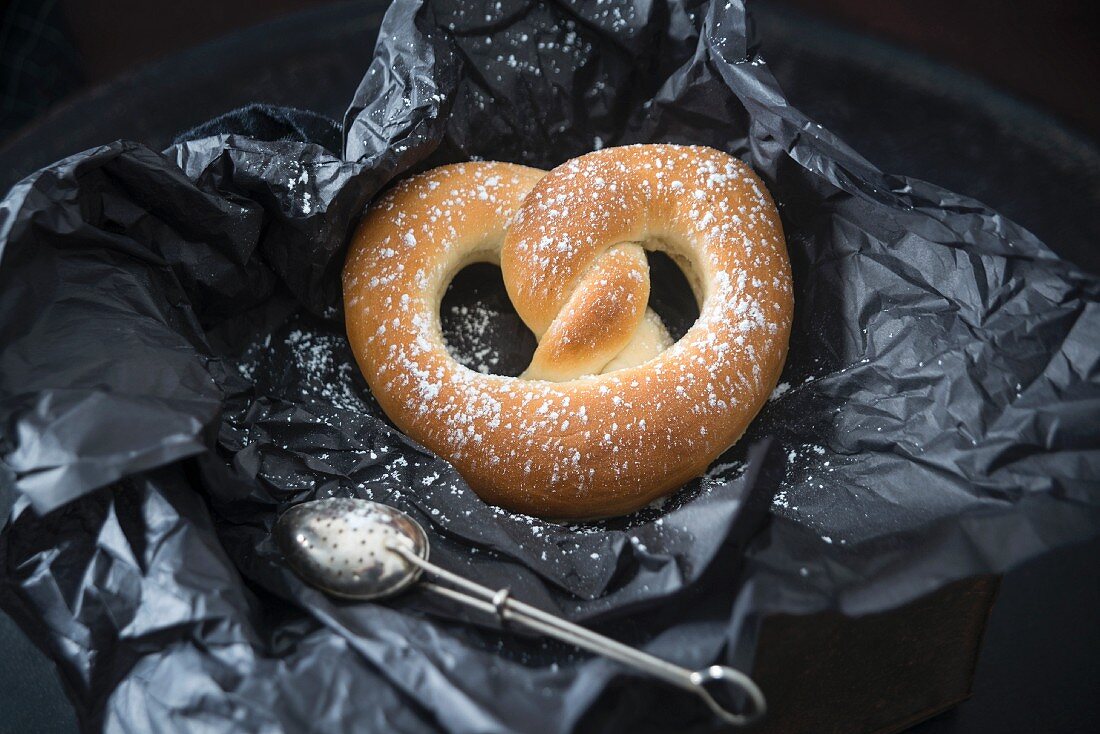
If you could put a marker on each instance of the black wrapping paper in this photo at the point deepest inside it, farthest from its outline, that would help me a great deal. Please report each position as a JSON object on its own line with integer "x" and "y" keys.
{"x": 174, "y": 373}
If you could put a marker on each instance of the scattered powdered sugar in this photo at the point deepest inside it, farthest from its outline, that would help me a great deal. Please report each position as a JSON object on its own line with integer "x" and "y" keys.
{"x": 468, "y": 345}
{"x": 298, "y": 188}
{"x": 247, "y": 370}
{"x": 325, "y": 376}
{"x": 725, "y": 471}
{"x": 809, "y": 473}
{"x": 251, "y": 360}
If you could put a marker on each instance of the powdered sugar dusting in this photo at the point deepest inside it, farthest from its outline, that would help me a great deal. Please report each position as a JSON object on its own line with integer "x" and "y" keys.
{"x": 556, "y": 442}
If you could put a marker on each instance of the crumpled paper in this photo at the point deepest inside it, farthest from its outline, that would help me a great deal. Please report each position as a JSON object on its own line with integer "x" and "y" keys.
{"x": 174, "y": 374}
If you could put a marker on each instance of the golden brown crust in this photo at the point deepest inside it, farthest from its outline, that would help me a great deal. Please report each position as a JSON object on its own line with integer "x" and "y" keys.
{"x": 570, "y": 248}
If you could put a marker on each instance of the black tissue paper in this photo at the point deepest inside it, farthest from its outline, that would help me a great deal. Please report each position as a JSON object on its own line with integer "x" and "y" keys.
{"x": 175, "y": 373}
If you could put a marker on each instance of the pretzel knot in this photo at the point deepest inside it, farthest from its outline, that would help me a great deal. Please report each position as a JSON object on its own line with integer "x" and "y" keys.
{"x": 610, "y": 414}
{"x": 579, "y": 282}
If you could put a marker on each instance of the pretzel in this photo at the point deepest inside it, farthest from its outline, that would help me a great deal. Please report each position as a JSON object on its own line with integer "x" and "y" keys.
{"x": 610, "y": 415}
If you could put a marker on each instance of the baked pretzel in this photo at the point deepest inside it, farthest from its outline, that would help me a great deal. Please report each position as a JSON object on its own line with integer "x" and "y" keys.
{"x": 610, "y": 415}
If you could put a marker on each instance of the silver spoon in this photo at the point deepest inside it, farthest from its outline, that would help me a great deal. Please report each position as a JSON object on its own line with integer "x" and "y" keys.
{"x": 363, "y": 550}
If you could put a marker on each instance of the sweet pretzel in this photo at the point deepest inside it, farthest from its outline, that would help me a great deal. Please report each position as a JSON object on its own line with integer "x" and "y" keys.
{"x": 610, "y": 415}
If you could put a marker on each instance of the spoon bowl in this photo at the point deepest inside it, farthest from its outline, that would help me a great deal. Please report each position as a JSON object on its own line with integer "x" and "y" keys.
{"x": 349, "y": 547}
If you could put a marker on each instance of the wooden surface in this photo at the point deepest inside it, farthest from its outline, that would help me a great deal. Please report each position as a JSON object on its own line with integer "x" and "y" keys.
{"x": 876, "y": 674}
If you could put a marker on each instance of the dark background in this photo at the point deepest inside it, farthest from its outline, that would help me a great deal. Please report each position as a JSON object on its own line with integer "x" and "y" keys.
{"x": 1047, "y": 53}
{"x": 970, "y": 75}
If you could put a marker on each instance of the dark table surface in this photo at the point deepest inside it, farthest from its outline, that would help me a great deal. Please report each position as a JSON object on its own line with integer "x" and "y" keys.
{"x": 1039, "y": 670}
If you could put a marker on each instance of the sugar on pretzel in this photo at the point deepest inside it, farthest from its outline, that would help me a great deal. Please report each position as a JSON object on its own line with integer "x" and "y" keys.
{"x": 610, "y": 415}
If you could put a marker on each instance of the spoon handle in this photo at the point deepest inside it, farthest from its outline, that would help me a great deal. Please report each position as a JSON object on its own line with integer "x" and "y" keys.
{"x": 719, "y": 678}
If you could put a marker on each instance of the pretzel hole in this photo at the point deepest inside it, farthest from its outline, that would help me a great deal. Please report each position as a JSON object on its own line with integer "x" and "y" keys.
{"x": 483, "y": 332}
{"x": 481, "y": 328}
{"x": 670, "y": 293}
